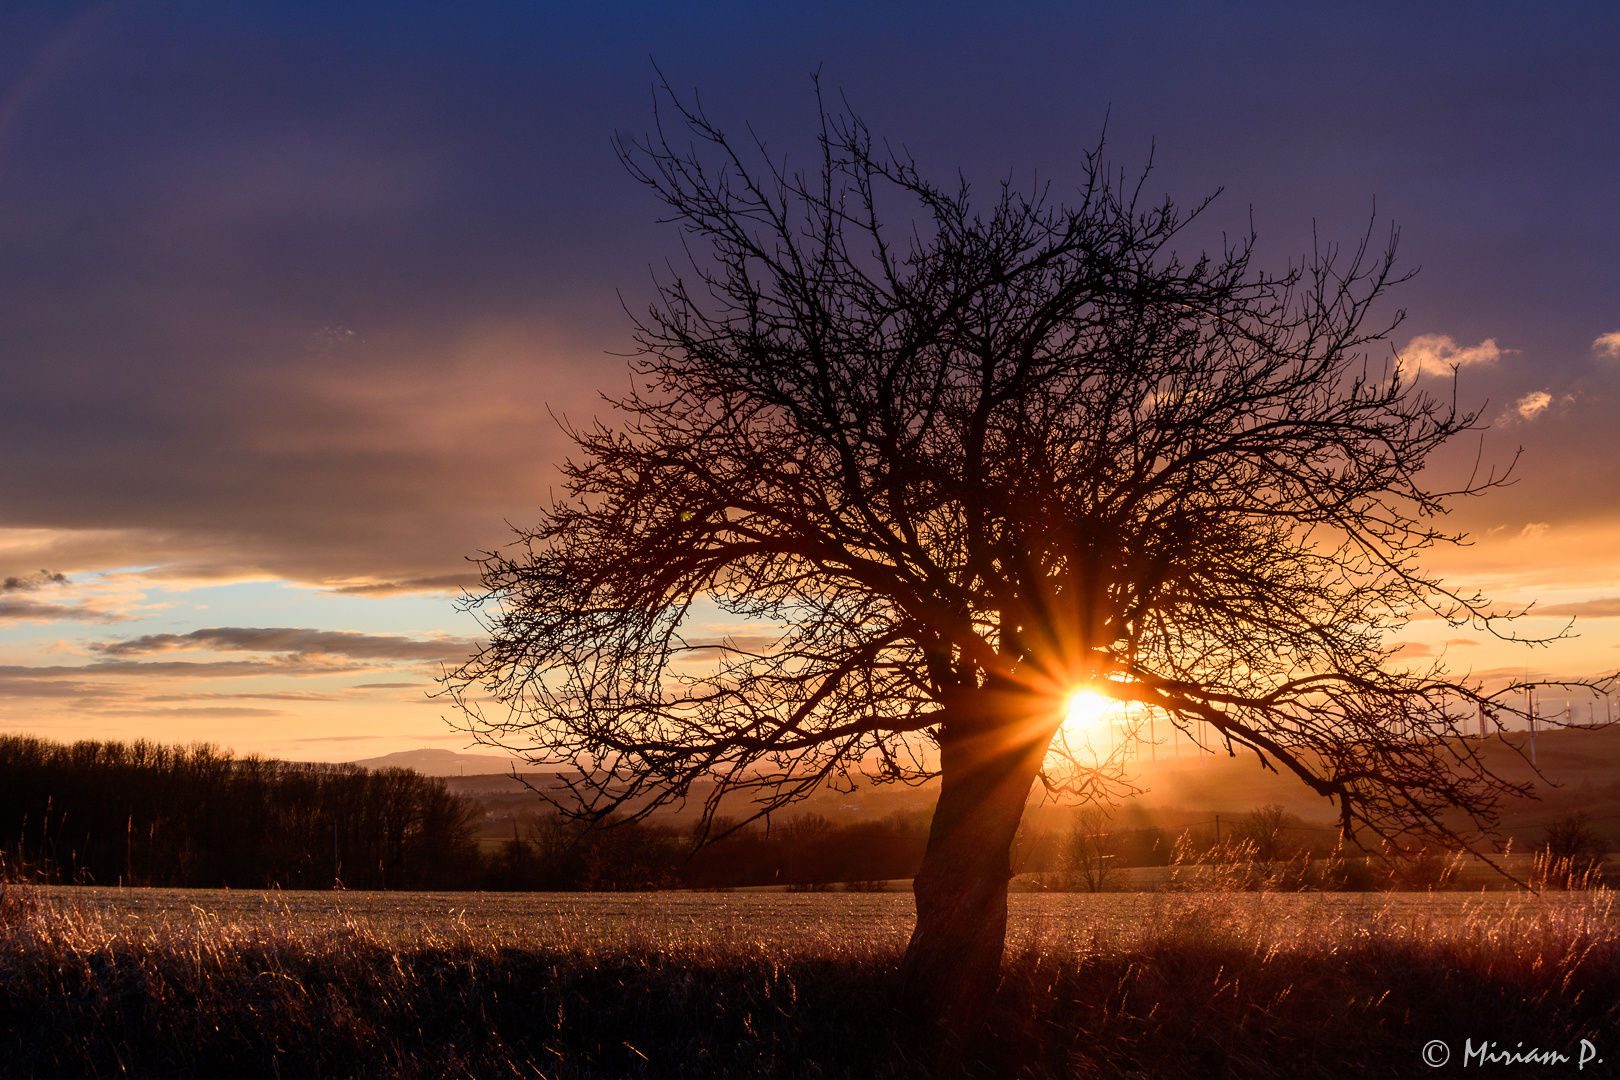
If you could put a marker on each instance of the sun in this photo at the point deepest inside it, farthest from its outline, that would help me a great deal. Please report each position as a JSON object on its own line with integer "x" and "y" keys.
{"x": 1088, "y": 707}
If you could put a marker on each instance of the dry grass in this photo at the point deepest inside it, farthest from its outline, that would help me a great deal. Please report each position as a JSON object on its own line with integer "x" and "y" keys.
{"x": 1262, "y": 985}
{"x": 1196, "y": 985}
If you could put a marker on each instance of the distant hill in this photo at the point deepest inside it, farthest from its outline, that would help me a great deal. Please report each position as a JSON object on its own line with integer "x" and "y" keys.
{"x": 1584, "y": 763}
{"x": 1580, "y": 766}
{"x": 445, "y": 763}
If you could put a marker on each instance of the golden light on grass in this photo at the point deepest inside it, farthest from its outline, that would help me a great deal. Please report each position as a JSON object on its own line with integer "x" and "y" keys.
{"x": 158, "y": 983}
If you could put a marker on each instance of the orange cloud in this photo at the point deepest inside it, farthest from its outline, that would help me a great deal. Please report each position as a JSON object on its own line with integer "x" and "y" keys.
{"x": 1604, "y": 607}
{"x": 1410, "y": 650}
{"x": 1533, "y": 404}
{"x": 1439, "y": 354}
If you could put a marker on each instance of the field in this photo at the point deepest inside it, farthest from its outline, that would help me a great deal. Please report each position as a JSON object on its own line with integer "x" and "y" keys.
{"x": 773, "y": 919}
{"x": 770, "y": 918}
{"x": 218, "y": 983}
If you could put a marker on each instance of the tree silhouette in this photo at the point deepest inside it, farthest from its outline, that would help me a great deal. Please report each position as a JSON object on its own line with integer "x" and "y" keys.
{"x": 945, "y": 474}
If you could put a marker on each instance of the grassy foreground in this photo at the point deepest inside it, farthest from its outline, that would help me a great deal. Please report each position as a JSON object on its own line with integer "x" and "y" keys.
{"x": 1200, "y": 985}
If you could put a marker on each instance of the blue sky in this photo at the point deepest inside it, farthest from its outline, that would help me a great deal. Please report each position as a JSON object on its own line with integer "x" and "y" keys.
{"x": 290, "y": 293}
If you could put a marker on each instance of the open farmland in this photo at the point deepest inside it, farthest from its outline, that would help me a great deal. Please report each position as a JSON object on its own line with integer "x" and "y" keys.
{"x": 203, "y": 982}
{"x": 785, "y": 920}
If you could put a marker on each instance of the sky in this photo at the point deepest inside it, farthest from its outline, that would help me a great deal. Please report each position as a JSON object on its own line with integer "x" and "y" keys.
{"x": 294, "y": 296}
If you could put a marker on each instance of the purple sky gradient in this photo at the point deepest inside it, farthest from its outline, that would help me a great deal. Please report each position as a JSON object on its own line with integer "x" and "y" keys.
{"x": 289, "y": 296}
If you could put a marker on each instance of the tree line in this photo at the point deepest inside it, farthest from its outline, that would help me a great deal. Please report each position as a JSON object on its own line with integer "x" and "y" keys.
{"x": 145, "y": 814}
{"x": 141, "y": 813}
{"x": 807, "y": 852}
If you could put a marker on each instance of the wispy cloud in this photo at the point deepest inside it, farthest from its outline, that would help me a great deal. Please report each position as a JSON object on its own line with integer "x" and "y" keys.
{"x": 1601, "y": 608}
{"x": 18, "y": 681}
{"x": 1439, "y": 354}
{"x": 1532, "y": 404}
{"x": 202, "y": 712}
{"x": 415, "y": 738}
{"x": 19, "y": 602}
{"x": 1412, "y": 649}
{"x": 339, "y": 738}
{"x": 730, "y": 645}
{"x": 292, "y": 642}
{"x": 16, "y": 609}
{"x": 435, "y": 583}
{"x": 274, "y": 695}
{"x": 1608, "y": 345}
{"x": 301, "y": 666}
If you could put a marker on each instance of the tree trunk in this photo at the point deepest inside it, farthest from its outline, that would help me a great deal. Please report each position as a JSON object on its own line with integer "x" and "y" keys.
{"x": 989, "y": 757}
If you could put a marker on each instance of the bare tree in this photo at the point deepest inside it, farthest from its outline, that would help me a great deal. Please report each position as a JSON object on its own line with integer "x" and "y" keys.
{"x": 1263, "y": 827}
{"x": 1093, "y": 849}
{"x": 944, "y": 475}
{"x": 1573, "y": 854}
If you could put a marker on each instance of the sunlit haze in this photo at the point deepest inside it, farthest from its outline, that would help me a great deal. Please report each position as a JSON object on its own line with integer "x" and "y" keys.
{"x": 1088, "y": 707}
